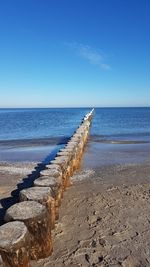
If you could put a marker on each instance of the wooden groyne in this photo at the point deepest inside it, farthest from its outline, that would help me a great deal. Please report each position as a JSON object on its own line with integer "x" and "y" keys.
{"x": 26, "y": 235}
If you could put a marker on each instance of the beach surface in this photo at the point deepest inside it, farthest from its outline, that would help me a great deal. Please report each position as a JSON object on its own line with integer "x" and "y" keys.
{"x": 104, "y": 216}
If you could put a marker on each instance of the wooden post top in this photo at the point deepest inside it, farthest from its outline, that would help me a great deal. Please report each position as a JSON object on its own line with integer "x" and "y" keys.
{"x": 24, "y": 211}
{"x": 52, "y": 172}
{"x": 12, "y": 234}
{"x": 36, "y": 193}
{"x": 47, "y": 181}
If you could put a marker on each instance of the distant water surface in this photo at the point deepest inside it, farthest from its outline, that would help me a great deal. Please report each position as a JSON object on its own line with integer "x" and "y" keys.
{"x": 118, "y": 135}
{"x": 17, "y": 124}
{"x": 32, "y": 134}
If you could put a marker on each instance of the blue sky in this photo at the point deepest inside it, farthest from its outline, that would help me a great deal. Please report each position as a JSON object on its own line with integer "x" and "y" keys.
{"x": 56, "y": 53}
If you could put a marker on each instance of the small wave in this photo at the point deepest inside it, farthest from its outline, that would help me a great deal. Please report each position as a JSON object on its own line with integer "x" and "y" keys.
{"x": 123, "y": 142}
{"x": 130, "y": 139}
{"x": 35, "y": 142}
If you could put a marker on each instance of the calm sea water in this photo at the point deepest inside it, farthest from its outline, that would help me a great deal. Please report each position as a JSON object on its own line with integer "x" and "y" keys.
{"x": 117, "y": 134}
{"x": 38, "y": 123}
{"x": 32, "y": 134}
{"x": 122, "y": 124}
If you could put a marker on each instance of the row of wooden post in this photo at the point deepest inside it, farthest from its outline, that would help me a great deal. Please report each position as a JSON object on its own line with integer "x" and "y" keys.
{"x": 27, "y": 232}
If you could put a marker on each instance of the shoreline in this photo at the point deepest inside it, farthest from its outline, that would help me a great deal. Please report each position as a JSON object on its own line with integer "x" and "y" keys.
{"x": 12, "y": 173}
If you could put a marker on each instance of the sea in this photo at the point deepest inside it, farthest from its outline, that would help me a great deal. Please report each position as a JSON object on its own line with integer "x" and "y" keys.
{"x": 117, "y": 135}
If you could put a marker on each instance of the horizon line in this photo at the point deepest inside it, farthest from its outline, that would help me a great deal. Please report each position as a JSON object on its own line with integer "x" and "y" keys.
{"x": 74, "y": 107}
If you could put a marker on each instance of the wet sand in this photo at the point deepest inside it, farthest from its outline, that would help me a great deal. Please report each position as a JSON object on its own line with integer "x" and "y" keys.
{"x": 12, "y": 173}
{"x": 104, "y": 217}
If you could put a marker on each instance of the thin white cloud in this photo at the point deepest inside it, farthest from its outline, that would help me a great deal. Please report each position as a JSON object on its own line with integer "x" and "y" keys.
{"x": 94, "y": 57}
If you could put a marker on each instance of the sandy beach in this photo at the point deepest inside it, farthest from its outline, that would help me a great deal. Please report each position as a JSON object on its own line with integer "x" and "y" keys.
{"x": 104, "y": 217}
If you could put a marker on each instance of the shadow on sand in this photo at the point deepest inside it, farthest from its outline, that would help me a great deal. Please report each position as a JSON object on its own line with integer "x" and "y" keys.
{"x": 29, "y": 179}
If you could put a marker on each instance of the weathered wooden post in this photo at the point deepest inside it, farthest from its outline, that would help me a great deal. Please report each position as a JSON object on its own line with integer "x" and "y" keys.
{"x": 70, "y": 155}
{"x": 55, "y": 171}
{"x": 14, "y": 244}
{"x": 56, "y": 187}
{"x": 36, "y": 218}
{"x": 78, "y": 146}
{"x": 64, "y": 163}
{"x": 52, "y": 170}
{"x": 72, "y": 149}
{"x": 78, "y": 140}
{"x": 45, "y": 196}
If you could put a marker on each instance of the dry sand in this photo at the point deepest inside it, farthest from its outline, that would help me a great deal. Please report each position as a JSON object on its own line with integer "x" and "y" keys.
{"x": 104, "y": 219}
